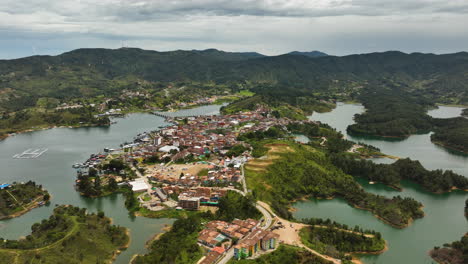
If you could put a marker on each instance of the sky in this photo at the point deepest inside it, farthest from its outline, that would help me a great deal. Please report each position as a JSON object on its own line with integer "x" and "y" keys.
{"x": 271, "y": 27}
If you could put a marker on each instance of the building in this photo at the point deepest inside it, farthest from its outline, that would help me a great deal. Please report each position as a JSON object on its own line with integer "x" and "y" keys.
{"x": 139, "y": 185}
{"x": 161, "y": 195}
{"x": 168, "y": 149}
{"x": 189, "y": 203}
{"x": 211, "y": 238}
{"x": 255, "y": 241}
{"x": 3, "y": 186}
{"x": 211, "y": 257}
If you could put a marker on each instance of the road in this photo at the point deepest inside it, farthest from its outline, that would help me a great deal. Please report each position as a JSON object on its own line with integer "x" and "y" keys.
{"x": 244, "y": 184}
{"x": 140, "y": 176}
{"x": 267, "y": 218}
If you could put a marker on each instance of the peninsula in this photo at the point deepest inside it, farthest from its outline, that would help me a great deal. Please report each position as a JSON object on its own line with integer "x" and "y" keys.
{"x": 17, "y": 199}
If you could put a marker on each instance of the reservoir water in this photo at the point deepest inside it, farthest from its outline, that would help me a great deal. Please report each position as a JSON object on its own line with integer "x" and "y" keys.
{"x": 67, "y": 146}
{"x": 444, "y": 219}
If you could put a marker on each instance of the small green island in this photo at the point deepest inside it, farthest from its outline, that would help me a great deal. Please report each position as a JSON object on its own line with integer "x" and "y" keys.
{"x": 70, "y": 235}
{"x": 17, "y": 199}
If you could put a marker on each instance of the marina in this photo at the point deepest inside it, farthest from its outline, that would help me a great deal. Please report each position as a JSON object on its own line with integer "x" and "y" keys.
{"x": 30, "y": 153}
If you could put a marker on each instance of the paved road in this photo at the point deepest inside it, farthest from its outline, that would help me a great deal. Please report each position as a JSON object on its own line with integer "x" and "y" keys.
{"x": 266, "y": 216}
{"x": 244, "y": 184}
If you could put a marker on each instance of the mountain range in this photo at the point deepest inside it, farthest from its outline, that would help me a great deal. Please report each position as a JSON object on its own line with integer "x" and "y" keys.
{"x": 90, "y": 72}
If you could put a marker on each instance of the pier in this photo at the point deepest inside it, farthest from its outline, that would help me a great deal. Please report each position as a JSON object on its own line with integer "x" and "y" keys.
{"x": 30, "y": 153}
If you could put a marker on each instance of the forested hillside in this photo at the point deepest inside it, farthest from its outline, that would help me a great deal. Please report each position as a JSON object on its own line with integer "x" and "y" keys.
{"x": 87, "y": 72}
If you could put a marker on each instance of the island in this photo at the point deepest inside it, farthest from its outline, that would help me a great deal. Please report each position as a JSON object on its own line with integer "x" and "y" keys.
{"x": 436, "y": 181}
{"x": 70, "y": 235}
{"x": 17, "y": 199}
{"x": 452, "y": 253}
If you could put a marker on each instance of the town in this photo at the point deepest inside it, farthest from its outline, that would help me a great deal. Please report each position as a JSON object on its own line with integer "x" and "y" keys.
{"x": 190, "y": 165}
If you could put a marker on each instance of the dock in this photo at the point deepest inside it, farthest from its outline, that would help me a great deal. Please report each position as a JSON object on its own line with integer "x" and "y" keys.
{"x": 30, "y": 153}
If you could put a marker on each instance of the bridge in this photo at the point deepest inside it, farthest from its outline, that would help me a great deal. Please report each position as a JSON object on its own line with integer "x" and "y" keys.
{"x": 167, "y": 116}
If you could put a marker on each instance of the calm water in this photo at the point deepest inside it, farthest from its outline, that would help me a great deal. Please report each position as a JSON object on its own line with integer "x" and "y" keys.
{"x": 444, "y": 221}
{"x": 53, "y": 170}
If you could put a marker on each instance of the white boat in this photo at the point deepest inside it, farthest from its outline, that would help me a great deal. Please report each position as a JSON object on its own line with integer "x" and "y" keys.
{"x": 371, "y": 182}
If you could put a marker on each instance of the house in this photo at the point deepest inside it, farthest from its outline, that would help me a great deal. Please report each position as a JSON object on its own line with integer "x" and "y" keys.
{"x": 211, "y": 238}
{"x": 211, "y": 257}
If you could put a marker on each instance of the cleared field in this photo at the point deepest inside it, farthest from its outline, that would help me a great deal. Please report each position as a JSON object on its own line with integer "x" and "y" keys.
{"x": 173, "y": 171}
{"x": 275, "y": 149}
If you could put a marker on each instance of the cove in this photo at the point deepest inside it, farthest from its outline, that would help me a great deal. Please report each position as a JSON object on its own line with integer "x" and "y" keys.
{"x": 67, "y": 146}
{"x": 444, "y": 221}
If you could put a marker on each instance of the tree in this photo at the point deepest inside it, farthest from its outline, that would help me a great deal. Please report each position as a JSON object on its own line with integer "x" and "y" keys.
{"x": 112, "y": 184}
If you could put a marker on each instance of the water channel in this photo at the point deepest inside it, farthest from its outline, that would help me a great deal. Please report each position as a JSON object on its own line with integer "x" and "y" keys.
{"x": 444, "y": 219}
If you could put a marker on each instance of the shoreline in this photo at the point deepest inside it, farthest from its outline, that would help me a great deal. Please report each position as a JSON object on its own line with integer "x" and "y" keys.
{"x": 3, "y": 137}
{"x": 304, "y": 198}
{"x": 29, "y": 207}
{"x": 410, "y": 221}
{"x": 119, "y": 250}
{"x": 438, "y": 143}
{"x": 356, "y": 255}
{"x": 155, "y": 237}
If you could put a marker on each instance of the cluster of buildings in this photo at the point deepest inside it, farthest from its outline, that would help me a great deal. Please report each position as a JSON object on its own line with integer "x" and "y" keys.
{"x": 198, "y": 101}
{"x": 244, "y": 236}
{"x": 193, "y": 198}
{"x": 216, "y": 176}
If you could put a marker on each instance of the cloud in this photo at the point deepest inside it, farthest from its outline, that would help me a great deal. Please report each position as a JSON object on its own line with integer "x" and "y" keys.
{"x": 269, "y": 26}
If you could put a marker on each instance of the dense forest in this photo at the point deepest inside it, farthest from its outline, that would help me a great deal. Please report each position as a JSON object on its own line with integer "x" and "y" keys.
{"x": 285, "y": 254}
{"x": 179, "y": 245}
{"x": 451, "y": 133}
{"x": 90, "y": 72}
{"x": 393, "y": 113}
{"x": 19, "y": 196}
{"x": 70, "y": 235}
{"x": 453, "y": 253}
{"x": 307, "y": 171}
{"x": 396, "y": 112}
{"x": 234, "y": 205}
{"x": 437, "y": 181}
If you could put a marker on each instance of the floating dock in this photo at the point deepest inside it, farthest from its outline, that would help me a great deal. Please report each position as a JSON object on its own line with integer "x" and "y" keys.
{"x": 30, "y": 153}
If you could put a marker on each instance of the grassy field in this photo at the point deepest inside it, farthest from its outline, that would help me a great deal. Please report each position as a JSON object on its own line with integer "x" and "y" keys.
{"x": 88, "y": 239}
{"x": 273, "y": 153}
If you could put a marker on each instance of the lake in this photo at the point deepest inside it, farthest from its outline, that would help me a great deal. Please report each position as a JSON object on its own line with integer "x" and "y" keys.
{"x": 444, "y": 219}
{"x": 67, "y": 146}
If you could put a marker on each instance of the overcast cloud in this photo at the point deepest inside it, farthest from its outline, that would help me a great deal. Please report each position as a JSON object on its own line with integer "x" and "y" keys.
{"x": 339, "y": 27}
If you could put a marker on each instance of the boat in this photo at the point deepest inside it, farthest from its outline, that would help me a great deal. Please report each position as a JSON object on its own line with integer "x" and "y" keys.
{"x": 371, "y": 182}
{"x": 76, "y": 165}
